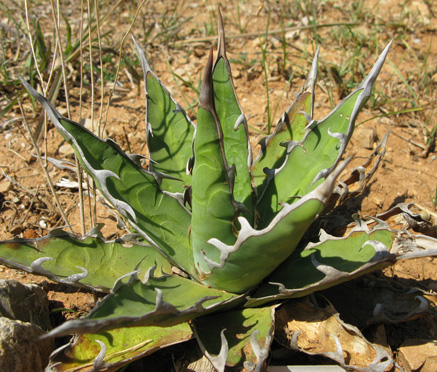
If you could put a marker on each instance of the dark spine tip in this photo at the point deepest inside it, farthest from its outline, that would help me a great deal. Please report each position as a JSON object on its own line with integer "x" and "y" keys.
{"x": 221, "y": 48}
{"x": 206, "y": 99}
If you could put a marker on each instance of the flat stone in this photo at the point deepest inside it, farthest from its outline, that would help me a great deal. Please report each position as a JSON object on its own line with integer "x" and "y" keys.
{"x": 5, "y": 186}
{"x": 66, "y": 149}
{"x": 418, "y": 353}
{"x": 366, "y": 137}
{"x": 430, "y": 364}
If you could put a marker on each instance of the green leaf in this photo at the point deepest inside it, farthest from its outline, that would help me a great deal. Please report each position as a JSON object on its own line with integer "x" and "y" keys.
{"x": 313, "y": 159}
{"x": 133, "y": 191}
{"x": 239, "y": 339}
{"x": 153, "y": 301}
{"x": 169, "y": 131}
{"x": 325, "y": 264}
{"x": 234, "y": 127}
{"x": 87, "y": 261}
{"x": 213, "y": 206}
{"x": 113, "y": 349}
{"x": 290, "y": 127}
{"x": 256, "y": 253}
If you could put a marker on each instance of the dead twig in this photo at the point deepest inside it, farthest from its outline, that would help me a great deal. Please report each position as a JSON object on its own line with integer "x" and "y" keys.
{"x": 269, "y": 32}
{"x": 423, "y": 147}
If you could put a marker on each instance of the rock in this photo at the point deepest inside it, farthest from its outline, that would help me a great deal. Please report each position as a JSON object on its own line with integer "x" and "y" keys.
{"x": 5, "y": 186}
{"x": 66, "y": 149}
{"x": 422, "y": 12}
{"x": 366, "y": 137}
{"x": 430, "y": 364}
{"x": 418, "y": 354}
{"x": 27, "y": 303}
{"x": 21, "y": 350}
{"x": 93, "y": 126}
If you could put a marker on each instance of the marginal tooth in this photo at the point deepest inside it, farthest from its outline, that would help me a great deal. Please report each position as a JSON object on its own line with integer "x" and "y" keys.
{"x": 162, "y": 306}
{"x": 379, "y": 223}
{"x": 129, "y": 275}
{"x": 423, "y": 304}
{"x": 149, "y": 129}
{"x": 36, "y": 268}
{"x": 341, "y": 189}
{"x": 241, "y": 120}
{"x": 323, "y": 235}
{"x": 381, "y": 251}
{"x": 74, "y": 278}
{"x": 56, "y": 352}
{"x": 148, "y": 274}
{"x": 136, "y": 159}
{"x": 198, "y": 306}
{"x": 177, "y": 109}
{"x": 98, "y": 363}
{"x": 340, "y": 136}
{"x": 360, "y": 224}
{"x": 281, "y": 287}
{"x": 329, "y": 271}
{"x": 261, "y": 353}
{"x": 308, "y": 118}
{"x": 290, "y": 145}
{"x": 311, "y": 125}
{"x": 95, "y": 232}
{"x": 190, "y": 165}
{"x": 219, "y": 361}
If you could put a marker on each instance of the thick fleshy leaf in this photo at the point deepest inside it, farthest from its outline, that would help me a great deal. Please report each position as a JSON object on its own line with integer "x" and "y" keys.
{"x": 256, "y": 253}
{"x": 153, "y": 301}
{"x": 335, "y": 260}
{"x": 325, "y": 264}
{"x": 291, "y": 127}
{"x": 169, "y": 131}
{"x": 313, "y": 159}
{"x": 239, "y": 338}
{"x": 110, "y": 350}
{"x": 234, "y": 126}
{"x": 134, "y": 192}
{"x": 214, "y": 209}
{"x": 87, "y": 261}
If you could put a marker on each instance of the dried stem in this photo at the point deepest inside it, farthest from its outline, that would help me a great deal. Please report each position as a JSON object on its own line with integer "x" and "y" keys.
{"x": 44, "y": 168}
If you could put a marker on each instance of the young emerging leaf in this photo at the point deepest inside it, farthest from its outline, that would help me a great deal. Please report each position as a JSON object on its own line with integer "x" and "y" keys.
{"x": 234, "y": 126}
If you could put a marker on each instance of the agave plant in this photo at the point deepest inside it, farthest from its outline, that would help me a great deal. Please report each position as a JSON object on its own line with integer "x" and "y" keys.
{"x": 214, "y": 249}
